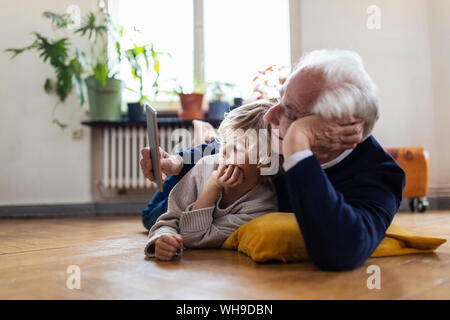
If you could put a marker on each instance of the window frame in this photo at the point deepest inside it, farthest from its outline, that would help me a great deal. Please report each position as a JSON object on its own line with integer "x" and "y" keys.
{"x": 199, "y": 40}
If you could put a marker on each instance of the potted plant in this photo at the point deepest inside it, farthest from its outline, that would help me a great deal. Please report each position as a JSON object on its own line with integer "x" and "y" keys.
{"x": 190, "y": 102}
{"x": 135, "y": 57}
{"x": 73, "y": 68}
{"x": 218, "y": 107}
{"x": 104, "y": 90}
{"x": 238, "y": 101}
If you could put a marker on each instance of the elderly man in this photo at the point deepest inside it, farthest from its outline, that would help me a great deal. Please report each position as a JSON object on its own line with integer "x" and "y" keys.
{"x": 342, "y": 186}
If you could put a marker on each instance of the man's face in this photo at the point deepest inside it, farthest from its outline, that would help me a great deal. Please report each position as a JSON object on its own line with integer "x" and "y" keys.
{"x": 297, "y": 95}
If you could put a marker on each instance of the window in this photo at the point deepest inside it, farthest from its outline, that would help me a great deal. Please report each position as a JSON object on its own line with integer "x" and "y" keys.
{"x": 168, "y": 24}
{"x": 244, "y": 37}
{"x": 238, "y": 38}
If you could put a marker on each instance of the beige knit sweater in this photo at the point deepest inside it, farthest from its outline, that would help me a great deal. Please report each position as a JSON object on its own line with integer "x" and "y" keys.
{"x": 207, "y": 227}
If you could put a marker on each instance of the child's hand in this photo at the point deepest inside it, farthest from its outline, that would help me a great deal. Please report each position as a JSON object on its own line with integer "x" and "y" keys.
{"x": 167, "y": 246}
{"x": 227, "y": 176}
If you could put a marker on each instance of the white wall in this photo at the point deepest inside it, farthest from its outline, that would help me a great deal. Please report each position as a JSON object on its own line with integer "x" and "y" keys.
{"x": 398, "y": 58}
{"x": 407, "y": 58}
{"x": 40, "y": 164}
{"x": 439, "y": 33}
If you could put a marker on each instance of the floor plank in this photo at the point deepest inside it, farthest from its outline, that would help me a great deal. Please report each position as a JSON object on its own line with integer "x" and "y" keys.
{"x": 35, "y": 254}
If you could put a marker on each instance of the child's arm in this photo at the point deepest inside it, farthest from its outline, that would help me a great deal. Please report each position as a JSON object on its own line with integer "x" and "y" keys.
{"x": 200, "y": 229}
{"x": 166, "y": 246}
{"x": 208, "y": 196}
{"x": 168, "y": 230}
{"x": 164, "y": 238}
{"x": 225, "y": 176}
{"x": 198, "y": 226}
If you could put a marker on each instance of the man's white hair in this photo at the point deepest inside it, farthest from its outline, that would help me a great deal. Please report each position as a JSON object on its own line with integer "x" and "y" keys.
{"x": 348, "y": 90}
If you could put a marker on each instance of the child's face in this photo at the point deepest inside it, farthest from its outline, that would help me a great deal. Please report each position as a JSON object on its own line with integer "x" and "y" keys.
{"x": 235, "y": 153}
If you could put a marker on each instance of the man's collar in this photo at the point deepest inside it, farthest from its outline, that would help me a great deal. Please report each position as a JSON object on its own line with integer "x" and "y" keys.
{"x": 336, "y": 160}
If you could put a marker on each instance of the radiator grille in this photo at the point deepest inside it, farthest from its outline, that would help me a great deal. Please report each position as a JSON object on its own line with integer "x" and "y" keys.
{"x": 122, "y": 145}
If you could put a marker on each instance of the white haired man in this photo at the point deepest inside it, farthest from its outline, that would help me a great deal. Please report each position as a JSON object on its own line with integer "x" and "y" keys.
{"x": 342, "y": 186}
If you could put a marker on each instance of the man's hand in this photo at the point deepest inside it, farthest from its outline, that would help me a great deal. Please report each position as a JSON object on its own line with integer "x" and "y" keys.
{"x": 170, "y": 164}
{"x": 227, "y": 176}
{"x": 325, "y": 138}
{"x": 167, "y": 246}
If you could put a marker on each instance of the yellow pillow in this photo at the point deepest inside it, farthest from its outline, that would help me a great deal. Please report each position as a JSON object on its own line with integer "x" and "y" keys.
{"x": 276, "y": 236}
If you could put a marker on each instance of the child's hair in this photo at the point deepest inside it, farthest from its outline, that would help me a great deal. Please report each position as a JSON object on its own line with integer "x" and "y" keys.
{"x": 244, "y": 122}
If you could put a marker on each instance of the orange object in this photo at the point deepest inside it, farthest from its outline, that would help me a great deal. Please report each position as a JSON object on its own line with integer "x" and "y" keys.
{"x": 191, "y": 114}
{"x": 415, "y": 162}
{"x": 191, "y": 106}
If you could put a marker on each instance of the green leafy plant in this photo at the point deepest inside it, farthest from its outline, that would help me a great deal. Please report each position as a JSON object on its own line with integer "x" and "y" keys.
{"x": 199, "y": 87}
{"x": 217, "y": 89}
{"x": 135, "y": 57}
{"x": 97, "y": 28}
{"x": 178, "y": 88}
{"x": 70, "y": 64}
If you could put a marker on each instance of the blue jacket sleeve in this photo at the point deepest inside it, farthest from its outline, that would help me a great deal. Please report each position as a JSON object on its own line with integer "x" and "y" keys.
{"x": 158, "y": 204}
{"x": 341, "y": 230}
{"x": 193, "y": 155}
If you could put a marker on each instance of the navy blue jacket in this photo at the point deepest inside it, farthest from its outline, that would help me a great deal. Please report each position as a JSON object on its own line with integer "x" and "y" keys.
{"x": 343, "y": 211}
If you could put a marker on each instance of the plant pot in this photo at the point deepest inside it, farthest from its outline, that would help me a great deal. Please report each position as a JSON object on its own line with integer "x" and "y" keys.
{"x": 217, "y": 109}
{"x": 136, "y": 112}
{"x": 191, "y": 106}
{"x": 104, "y": 101}
{"x": 237, "y": 103}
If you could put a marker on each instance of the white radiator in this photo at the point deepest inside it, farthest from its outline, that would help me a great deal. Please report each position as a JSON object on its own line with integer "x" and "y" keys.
{"x": 122, "y": 145}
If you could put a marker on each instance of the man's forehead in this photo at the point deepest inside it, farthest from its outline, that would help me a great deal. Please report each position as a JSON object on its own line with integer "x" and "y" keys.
{"x": 291, "y": 85}
{"x": 309, "y": 78}
{"x": 303, "y": 87}
{"x": 284, "y": 87}
{"x": 290, "y": 81}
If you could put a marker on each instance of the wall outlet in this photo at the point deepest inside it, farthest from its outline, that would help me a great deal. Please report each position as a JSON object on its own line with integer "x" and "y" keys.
{"x": 77, "y": 134}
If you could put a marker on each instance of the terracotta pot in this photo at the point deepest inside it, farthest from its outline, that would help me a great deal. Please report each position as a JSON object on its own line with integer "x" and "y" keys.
{"x": 191, "y": 106}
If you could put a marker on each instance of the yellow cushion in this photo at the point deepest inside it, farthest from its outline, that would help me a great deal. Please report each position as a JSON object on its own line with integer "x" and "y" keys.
{"x": 276, "y": 236}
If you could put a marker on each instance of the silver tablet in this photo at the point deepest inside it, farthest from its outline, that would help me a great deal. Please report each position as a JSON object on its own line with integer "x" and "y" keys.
{"x": 153, "y": 142}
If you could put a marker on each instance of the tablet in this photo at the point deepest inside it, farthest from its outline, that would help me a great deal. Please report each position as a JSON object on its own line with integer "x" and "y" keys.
{"x": 153, "y": 143}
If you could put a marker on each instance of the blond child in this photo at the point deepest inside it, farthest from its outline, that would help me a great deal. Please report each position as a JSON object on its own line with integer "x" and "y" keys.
{"x": 222, "y": 191}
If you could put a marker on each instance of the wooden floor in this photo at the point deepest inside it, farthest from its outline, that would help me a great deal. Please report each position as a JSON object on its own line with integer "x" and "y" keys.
{"x": 35, "y": 254}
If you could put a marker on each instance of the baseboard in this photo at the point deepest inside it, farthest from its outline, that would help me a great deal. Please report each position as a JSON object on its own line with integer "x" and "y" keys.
{"x": 72, "y": 210}
{"x": 442, "y": 191}
{"x": 131, "y": 208}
